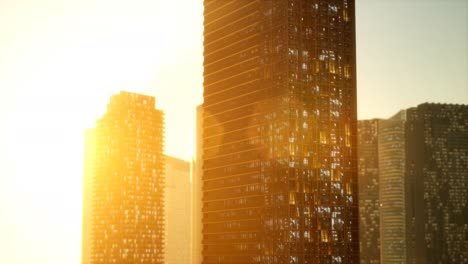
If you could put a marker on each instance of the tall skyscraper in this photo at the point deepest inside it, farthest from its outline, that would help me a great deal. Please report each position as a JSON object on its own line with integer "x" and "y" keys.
{"x": 126, "y": 190}
{"x": 437, "y": 183}
{"x": 279, "y": 132}
{"x": 369, "y": 203}
{"x": 177, "y": 208}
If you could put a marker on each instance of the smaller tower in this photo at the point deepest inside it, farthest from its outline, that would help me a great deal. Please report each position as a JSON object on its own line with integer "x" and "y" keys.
{"x": 126, "y": 186}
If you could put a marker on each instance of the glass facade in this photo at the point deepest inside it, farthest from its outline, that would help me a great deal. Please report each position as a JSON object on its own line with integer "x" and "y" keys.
{"x": 279, "y": 132}
{"x": 126, "y": 190}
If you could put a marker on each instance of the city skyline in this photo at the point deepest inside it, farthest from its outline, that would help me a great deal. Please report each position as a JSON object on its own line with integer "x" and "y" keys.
{"x": 57, "y": 57}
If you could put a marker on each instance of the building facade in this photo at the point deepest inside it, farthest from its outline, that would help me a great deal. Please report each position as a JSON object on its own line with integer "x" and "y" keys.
{"x": 391, "y": 155}
{"x": 369, "y": 203}
{"x": 279, "y": 132}
{"x": 177, "y": 208}
{"x": 437, "y": 185}
{"x": 126, "y": 193}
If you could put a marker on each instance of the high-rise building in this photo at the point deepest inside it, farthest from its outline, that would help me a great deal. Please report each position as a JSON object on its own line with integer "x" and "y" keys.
{"x": 197, "y": 171}
{"x": 279, "y": 132}
{"x": 126, "y": 190}
{"x": 391, "y": 155}
{"x": 177, "y": 207}
{"x": 437, "y": 183}
{"x": 422, "y": 178}
{"x": 368, "y": 167}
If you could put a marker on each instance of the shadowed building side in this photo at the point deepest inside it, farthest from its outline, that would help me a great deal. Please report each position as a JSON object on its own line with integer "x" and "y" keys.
{"x": 197, "y": 185}
{"x": 437, "y": 185}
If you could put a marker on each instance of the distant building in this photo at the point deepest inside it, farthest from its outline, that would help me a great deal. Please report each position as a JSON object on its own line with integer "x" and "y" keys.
{"x": 280, "y": 132}
{"x": 125, "y": 216}
{"x": 368, "y": 171}
{"x": 197, "y": 170}
{"x": 437, "y": 185}
{"x": 381, "y": 152}
{"x": 177, "y": 208}
{"x": 391, "y": 155}
{"x": 422, "y": 185}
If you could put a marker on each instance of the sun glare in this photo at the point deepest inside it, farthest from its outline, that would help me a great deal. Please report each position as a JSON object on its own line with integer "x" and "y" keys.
{"x": 63, "y": 62}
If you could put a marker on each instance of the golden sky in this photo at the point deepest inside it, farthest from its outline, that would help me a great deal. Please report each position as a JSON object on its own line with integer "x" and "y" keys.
{"x": 60, "y": 60}
{"x": 59, "y": 63}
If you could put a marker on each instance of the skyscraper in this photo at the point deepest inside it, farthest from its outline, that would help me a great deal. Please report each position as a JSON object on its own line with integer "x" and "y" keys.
{"x": 126, "y": 187}
{"x": 279, "y": 132}
{"x": 437, "y": 183}
{"x": 391, "y": 149}
{"x": 177, "y": 211}
{"x": 369, "y": 203}
{"x": 422, "y": 178}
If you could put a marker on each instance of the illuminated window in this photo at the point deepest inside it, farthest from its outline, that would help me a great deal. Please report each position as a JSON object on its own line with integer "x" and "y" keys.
{"x": 292, "y": 198}
{"x": 324, "y": 137}
{"x": 347, "y": 136}
{"x": 324, "y": 236}
{"x": 347, "y": 71}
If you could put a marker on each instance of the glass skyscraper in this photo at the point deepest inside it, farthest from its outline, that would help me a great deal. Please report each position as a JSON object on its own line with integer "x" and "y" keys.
{"x": 124, "y": 186}
{"x": 279, "y": 132}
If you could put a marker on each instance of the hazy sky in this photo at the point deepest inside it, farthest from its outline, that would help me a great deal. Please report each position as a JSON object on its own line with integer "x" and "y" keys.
{"x": 410, "y": 52}
{"x": 61, "y": 60}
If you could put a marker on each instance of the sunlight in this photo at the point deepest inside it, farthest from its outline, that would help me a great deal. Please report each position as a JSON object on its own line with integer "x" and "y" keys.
{"x": 61, "y": 63}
